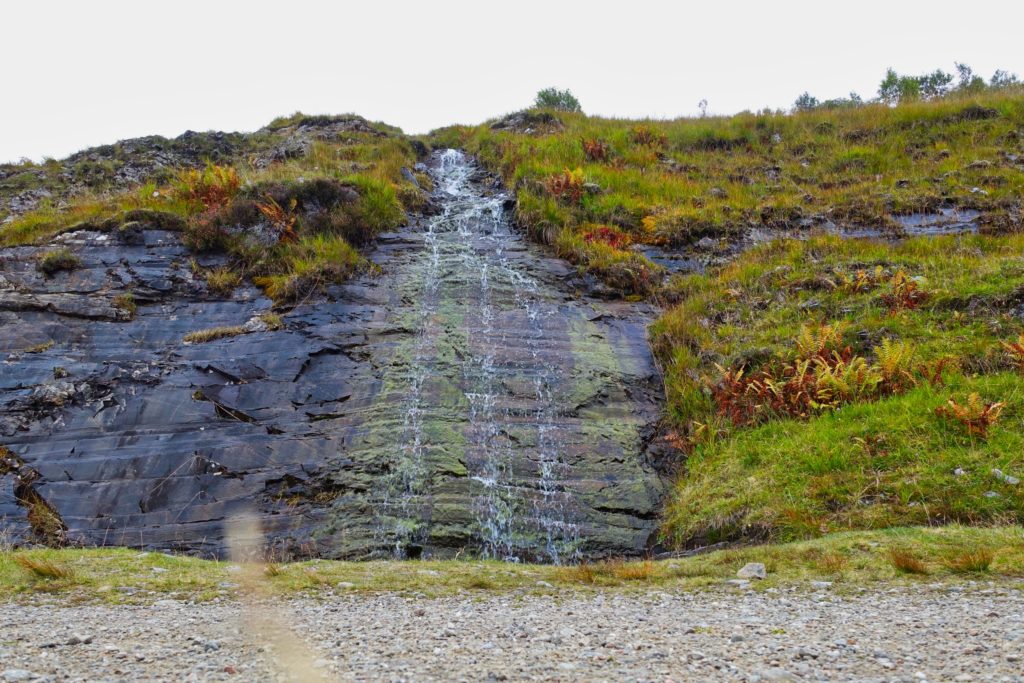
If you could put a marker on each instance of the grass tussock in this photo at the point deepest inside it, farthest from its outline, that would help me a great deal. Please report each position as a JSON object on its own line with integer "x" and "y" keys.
{"x": 609, "y": 572}
{"x": 58, "y": 260}
{"x": 223, "y": 281}
{"x": 971, "y": 561}
{"x": 126, "y": 302}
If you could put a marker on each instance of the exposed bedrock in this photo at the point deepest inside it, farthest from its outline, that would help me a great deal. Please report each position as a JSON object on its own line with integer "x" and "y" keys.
{"x": 467, "y": 399}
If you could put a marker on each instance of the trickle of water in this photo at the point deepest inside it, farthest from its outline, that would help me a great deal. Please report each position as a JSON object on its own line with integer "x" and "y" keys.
{"x": 469, "y": 286}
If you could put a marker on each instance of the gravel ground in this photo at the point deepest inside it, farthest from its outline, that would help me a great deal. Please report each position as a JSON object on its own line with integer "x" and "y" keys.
{"x": 927, "y": 633}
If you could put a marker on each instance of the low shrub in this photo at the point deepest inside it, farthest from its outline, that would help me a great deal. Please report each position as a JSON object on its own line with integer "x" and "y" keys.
{"x": 595, "y": 149}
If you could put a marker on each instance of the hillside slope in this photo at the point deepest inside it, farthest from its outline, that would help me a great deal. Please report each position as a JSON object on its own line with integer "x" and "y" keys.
{"x": 843, "y": 293}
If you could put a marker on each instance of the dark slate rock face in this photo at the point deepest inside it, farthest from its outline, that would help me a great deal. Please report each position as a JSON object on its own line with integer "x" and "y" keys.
{"x": 465, "y": 400}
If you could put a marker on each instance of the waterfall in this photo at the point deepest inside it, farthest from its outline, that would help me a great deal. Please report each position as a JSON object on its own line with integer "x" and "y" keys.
{"x": 520, "y": 507}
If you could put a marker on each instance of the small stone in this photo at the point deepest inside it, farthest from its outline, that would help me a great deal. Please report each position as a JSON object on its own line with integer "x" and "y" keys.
{"x": 346, "y": 584}
{"x": 739, "y": 583}
{"x": 255, "y": 324}
{"x": 821, "y": 584}
{"x": 1005, "y": 478}
{"x": 544, "y": 584}
{"x": 79, "y": 639}
{"x": 737, "y": 638}
{"x": 991, "y": 494}
{"x": 752, "y": 570}
{"x": 959, "y": 472}
{"x": 776, "y": 674}
{"x": 159, "y": 570}
{"x": 164, "y": 604}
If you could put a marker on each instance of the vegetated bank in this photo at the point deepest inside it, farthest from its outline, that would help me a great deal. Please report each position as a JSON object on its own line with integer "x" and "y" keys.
{"x": 291, "y": 203}
{"x": 864, "y": 375}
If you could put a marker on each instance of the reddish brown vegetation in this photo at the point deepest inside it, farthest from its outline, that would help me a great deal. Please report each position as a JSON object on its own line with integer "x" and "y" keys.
{"x": 609, "y": 235}
{"x": 976, "y": 416}
{"x": 566, "y": 186}
{"x": 596, "y": 150}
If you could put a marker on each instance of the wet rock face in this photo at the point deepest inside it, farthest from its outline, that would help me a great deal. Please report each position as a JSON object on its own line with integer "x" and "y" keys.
{"x": 464, "y": 400}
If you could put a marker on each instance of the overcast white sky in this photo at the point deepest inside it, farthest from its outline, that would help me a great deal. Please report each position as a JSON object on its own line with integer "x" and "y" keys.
{"x": 77, "y": 74}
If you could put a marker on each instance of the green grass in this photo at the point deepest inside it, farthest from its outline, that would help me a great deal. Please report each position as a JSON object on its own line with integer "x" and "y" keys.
{"x": 673, "y": 182}
{"x": 886, "y": 461}
{"x": 892, "y": 462}
{"x": 850, "y": 560}
{"x": 304, "y": 267}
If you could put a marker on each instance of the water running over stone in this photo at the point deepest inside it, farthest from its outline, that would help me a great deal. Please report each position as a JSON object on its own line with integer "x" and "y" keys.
{"x": 464, "y": 400}
{"x": 502, "y": 372}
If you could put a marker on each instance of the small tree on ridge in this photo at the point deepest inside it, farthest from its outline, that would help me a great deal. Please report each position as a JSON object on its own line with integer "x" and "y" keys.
{"x": 553, "y": 98}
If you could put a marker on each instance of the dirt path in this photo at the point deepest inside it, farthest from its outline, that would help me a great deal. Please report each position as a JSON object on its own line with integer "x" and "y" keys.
{"x": 932, "y": 633}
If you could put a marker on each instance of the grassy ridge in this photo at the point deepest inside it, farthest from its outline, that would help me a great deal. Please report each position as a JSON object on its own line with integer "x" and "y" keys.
{"x": 674, "y": 182}
{"x": 849, "y": 560}
{"x": 292, "y": 224}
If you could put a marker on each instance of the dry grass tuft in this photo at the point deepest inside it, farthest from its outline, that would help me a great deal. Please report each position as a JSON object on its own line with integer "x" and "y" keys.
{"x": 273, "y": 321}
{"x": 314, "y": 578}
{"x": 608, "y": 572}
{"x": 833, "y": 563}
{"x": 213, "y": 334}
{"x": 979, "y": 560}
{"x": 633, "y": 571}
{"x": 43, "y": 569}
{"x": 584, "y": 572}
{"x": 906, "y": 562}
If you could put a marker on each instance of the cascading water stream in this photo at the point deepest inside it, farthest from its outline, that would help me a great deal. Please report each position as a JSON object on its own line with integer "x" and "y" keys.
{"x": 519, "y": 513}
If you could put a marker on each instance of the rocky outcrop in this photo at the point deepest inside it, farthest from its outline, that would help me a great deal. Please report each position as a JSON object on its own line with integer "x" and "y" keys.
{"x": 130, "y": 163}
{"x": 466, "y": 399}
